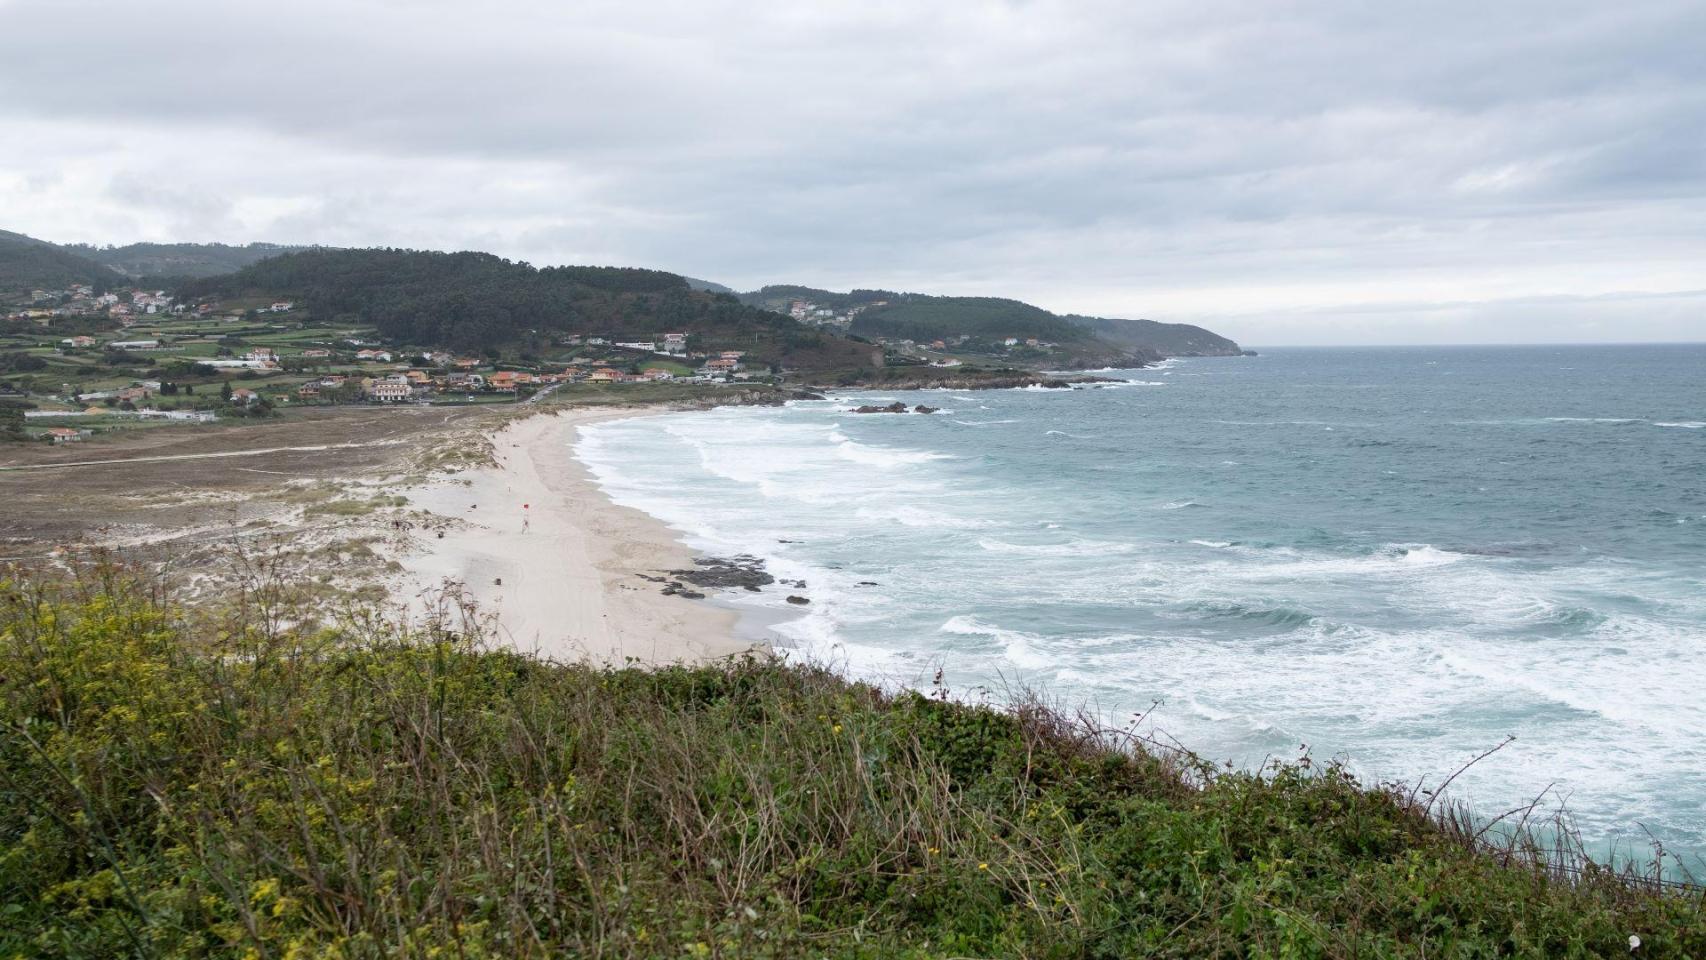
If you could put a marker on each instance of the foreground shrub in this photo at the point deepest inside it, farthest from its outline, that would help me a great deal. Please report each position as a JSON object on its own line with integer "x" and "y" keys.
{"x": 235, "y": 787}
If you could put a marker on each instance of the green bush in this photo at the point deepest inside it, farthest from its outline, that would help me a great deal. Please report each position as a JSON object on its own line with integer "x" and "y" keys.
{"x": 223, "y": 784}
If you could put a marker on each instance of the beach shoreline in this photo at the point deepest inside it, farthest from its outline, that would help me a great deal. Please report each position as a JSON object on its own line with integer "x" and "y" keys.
{"x": 551, "y": 565}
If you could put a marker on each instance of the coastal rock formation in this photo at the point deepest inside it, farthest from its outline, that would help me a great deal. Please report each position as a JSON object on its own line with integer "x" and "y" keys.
{"x": 987, "y": 381}
{"x": 726, "y": 573}
{"x": 896, "y": 407}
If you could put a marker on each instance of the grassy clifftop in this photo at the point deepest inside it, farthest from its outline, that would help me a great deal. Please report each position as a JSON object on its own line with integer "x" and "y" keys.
{"x": 223, "y": 785}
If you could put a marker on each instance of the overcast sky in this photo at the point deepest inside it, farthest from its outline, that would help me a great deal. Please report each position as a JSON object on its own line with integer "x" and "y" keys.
{"x": 1320, "y": 172}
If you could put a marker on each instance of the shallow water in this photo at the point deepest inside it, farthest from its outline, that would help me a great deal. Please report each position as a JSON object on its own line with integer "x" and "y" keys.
{"x": 1395, "y": 556}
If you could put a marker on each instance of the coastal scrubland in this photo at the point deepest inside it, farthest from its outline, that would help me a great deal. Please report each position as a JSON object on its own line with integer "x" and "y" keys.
{"x": 275, "y": 777}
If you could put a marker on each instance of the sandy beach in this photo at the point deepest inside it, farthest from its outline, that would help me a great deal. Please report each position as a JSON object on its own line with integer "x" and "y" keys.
{"x": 556, "y": 567}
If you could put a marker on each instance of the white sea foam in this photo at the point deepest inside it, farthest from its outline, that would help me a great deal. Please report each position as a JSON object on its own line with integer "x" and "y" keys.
{"x": 1427, "y": 555}
{"x": 920, "y": 517}
{"x": 876, "y": 456}
{"x": 1018, "y": 646}
{"x": 1075, "y": 548}
{"x": 1407, "y": 657}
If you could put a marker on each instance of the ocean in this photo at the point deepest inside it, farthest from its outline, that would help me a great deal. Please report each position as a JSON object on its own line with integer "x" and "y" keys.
{"x": 1397, "y": 557}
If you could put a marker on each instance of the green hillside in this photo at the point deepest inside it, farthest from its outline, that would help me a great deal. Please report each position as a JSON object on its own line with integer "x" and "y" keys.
{"x": 27, "y": 264}
{"x": 779, "y": 295}
{"x": 916, "y": 316}
{"x": 919, "y": 317}
{"x": 476, "y": 301}
{"x": 1168, "y": 339}
{"x": 179, "y": 259}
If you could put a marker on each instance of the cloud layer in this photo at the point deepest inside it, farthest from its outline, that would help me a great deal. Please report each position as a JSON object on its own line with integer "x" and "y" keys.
{"x": 1322, "y": 172}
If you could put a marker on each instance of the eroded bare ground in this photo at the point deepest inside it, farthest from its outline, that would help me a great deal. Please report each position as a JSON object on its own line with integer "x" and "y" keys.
{"x": 313, "y": 495}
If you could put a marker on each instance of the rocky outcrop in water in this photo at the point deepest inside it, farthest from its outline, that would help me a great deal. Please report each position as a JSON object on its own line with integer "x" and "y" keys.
{"x": 896, "y": 407}
{"x": 1004, "y": 381}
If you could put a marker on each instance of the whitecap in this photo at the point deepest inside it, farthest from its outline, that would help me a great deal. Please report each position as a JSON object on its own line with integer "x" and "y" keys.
{"x": 877, "y": 456}
{"x": 1075, "y": 548}
{"x": 1017, "y": 645}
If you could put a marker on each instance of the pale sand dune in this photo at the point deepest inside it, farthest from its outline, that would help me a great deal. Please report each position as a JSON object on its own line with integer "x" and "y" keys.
{"x": 571, "y": 582}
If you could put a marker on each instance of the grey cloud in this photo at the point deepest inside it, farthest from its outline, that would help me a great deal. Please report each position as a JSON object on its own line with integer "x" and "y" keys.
{"x": 1109, "y": 156}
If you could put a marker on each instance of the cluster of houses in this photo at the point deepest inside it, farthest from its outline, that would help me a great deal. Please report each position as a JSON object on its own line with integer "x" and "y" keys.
{"x": 811, "y": 314}
{"x": 914, "y": 348}
{"x": 665, "y": 344}
{"x": 455, "y": 375}
{"x": 127, "y": 307}
{"x": 80, "y": 300}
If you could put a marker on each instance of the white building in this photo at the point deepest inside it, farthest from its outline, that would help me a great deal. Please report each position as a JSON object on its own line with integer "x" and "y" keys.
{"x": 239, "y": 364}
{"x": 389, "y": 390}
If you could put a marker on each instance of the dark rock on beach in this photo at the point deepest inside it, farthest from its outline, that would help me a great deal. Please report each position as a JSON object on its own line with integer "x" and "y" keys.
{"x": 921, "y": 408}
{"x": 798, "y": 600}
{"x": 896, "y": 407}
{"x": 727, "y": 573}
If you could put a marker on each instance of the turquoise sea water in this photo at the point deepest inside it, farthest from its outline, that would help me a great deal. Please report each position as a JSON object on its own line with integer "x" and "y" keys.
{"x": 1396, "y": 556}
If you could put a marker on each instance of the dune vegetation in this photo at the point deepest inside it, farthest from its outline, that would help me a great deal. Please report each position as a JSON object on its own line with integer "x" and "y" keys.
{"x": 265, "y": 780}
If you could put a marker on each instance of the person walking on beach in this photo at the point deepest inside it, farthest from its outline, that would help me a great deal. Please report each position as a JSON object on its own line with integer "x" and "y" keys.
{"x": 526, "y": 518}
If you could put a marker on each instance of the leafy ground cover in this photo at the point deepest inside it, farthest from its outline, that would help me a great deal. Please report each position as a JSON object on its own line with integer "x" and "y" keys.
{"x": 266, "y": 779}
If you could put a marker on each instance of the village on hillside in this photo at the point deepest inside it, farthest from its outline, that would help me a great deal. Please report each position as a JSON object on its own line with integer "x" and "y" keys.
{"x": 934, "y": 352}
{"x": 76, "y": 362}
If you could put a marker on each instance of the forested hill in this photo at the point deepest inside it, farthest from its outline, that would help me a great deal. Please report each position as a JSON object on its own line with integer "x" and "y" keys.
{"x": 778, "y": 296}
{"x": 919, "y": 317}
{"x": 193, "y": 260}
{"x": 27, "y": 263}
{"x": 916, "y": 316}
{"x": 1168, "y": 339}
{"x": 472, "y": 301}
